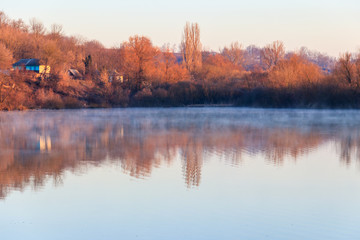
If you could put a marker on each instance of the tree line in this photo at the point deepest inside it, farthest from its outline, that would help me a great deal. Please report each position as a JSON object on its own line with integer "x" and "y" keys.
{"x": 268, "y": 76}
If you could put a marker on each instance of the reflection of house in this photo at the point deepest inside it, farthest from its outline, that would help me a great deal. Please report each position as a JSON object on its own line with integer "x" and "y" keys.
{"x": 75, "y": 74}
{"x": 31, "y": 64}
{"x": 44, "y": 143}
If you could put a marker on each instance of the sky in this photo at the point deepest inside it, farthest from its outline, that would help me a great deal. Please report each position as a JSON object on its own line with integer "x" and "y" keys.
{"x": 328, "y": 26}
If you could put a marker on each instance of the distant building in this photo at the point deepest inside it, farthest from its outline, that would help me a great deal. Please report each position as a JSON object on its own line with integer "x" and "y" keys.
{"x": 75, "y": 74}
{"x": 31, "y": 64}
{"x": 115, "y": 76}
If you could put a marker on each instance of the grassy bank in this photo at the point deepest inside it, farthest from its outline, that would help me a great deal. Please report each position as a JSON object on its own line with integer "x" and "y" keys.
{"x": 49, "y": 94}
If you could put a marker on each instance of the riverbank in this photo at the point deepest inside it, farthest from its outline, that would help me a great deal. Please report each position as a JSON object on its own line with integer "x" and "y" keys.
{"x": 74, "y": 94}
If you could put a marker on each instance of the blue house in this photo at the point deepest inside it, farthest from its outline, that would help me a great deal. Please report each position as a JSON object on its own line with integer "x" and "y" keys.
{"x": 31, "y": 64}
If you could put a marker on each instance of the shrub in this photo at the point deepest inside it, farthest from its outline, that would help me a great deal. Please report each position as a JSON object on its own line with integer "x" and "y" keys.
{"x": 48, "y": 99}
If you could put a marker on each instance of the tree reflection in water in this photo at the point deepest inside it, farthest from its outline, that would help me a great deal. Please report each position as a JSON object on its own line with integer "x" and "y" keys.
{"x": 36, "y": 146}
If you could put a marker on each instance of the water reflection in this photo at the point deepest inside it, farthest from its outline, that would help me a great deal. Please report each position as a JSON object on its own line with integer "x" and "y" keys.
{"x": 36, "y": 146}
{"x": 44, "y": 143}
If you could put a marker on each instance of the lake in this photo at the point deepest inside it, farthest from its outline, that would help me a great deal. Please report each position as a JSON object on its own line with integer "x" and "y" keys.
{"x": 180, "y": 173}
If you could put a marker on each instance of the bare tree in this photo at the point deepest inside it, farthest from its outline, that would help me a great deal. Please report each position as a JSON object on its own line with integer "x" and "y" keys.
{"x": 37, "y": 27}
{"x": 5, "y": 57}
{"x": 5, "y": 89}
{"x": 325, "y": 62}
{"x": 272, "y": 53}
{"x": 168, "y": 57}
{"x": 4, "y": 20}
{"x": 357, "y": 68}
{"x": 234, "y": 53}
{"x": 251, "y": 57}
{"x": 346, "y": 67}
{"x": 6, "y": 85}
{"x": 191, "y": 47}
{"x": 20, "y": 25}
{"x": 56, "y": 31}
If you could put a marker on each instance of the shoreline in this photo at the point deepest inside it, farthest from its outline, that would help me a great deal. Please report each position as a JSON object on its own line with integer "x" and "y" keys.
{"x": 189, "y": 106}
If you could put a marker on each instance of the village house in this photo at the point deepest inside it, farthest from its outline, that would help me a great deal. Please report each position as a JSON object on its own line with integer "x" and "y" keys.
{"x": 75, "y": 74}
{"x": 115, "y": 76}
{"x": 31, "y": 64}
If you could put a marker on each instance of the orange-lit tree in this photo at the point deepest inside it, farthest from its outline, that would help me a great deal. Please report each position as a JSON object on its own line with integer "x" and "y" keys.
{"x": 272, "y": 54}
{"x": 138, "y": 58}
{"x": 295, "y": 71}
{"x": 191, "y": 47}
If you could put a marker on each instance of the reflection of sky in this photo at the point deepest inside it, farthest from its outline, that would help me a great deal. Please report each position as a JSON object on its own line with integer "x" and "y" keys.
{"x": 314, "y": 197}
{"x": 326, "y": 25}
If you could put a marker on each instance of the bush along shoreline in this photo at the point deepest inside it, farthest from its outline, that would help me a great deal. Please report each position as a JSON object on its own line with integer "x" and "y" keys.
{"x": 76, "y": 94}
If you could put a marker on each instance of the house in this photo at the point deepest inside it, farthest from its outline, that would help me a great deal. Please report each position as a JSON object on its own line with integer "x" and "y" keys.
{"x": 75, "y": 74}
{"x": 31, "y": 64}
{"x": 115, "y": 76}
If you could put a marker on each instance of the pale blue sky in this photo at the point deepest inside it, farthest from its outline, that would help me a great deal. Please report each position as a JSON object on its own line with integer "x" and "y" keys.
{"x": 330, "y": 26}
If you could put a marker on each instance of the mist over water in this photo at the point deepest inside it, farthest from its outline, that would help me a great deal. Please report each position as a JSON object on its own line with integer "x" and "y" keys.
{"x": 180, "y": 173}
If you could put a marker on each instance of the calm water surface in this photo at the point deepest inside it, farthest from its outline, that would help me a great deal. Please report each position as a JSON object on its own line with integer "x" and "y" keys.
{"x": 187, "y": 173}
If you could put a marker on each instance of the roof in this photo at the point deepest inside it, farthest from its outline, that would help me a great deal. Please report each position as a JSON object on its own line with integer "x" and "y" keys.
{"x": 27, "y": 62}
{"x": 75, "y": 73}
{"x": 114, "y": 72}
